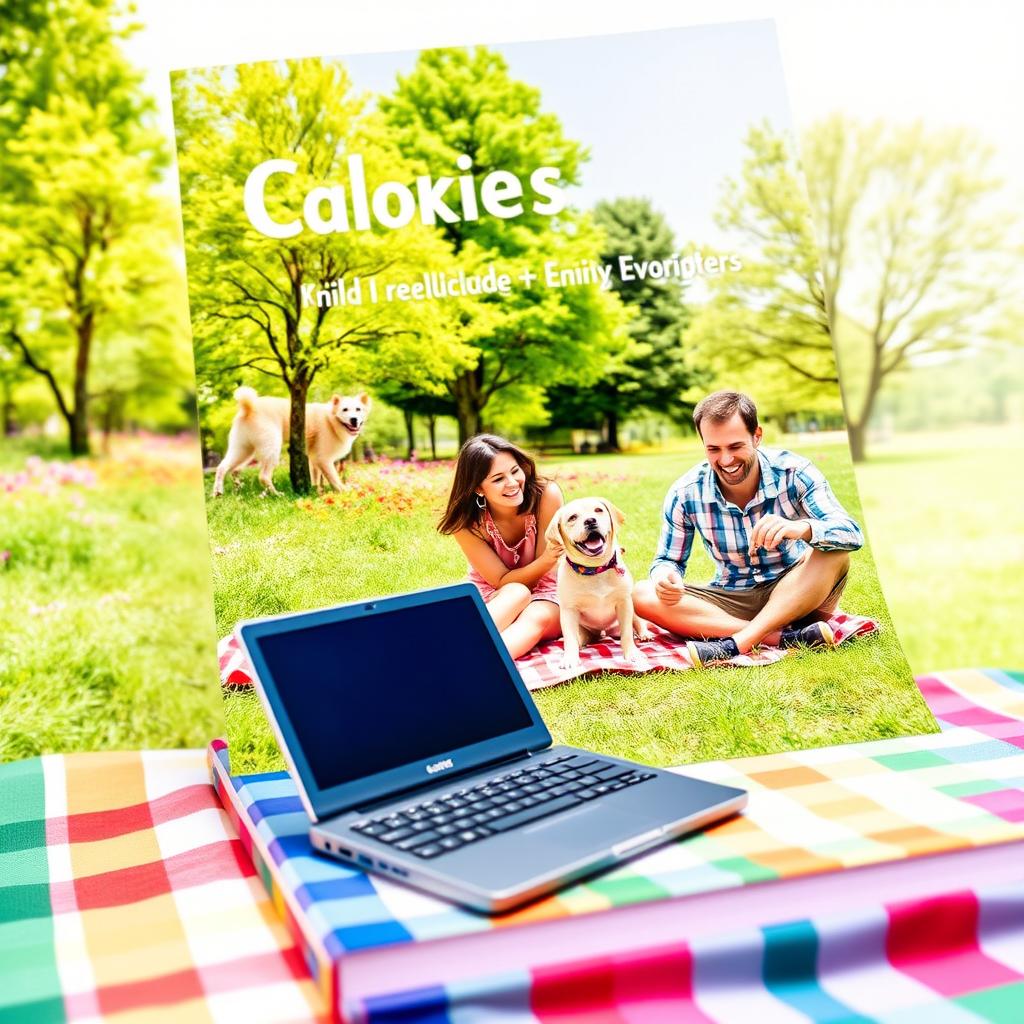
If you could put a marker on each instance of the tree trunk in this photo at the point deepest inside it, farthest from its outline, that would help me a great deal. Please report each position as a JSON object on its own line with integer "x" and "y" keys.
{"x": 8, "y": 411}
{"x": 78, "y": 423}
{"x": 410, "y": 434}
{"x": 858, "y": 440}
{"x": 612, "y": 430}
{"x": 432, "y": 427}
{"x": 298, "y": 462}
{"x": 466, "y": 391}
{"x": 858, "y": 429}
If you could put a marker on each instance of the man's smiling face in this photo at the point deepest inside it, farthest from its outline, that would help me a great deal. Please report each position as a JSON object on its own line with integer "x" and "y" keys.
{"x": 731, "y": 449}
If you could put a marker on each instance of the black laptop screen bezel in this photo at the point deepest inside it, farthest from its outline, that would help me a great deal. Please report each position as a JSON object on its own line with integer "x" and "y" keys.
{"x": 321, "y": 803}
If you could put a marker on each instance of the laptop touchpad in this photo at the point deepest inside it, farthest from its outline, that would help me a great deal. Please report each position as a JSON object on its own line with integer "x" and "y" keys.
{"x": 584, "y": 826}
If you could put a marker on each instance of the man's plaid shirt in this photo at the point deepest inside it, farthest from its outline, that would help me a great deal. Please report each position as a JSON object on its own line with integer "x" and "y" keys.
{"x": 790, "y": 486}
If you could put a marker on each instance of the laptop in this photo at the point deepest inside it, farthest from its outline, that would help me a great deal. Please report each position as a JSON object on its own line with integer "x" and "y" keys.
{"x": 420, "y": 755}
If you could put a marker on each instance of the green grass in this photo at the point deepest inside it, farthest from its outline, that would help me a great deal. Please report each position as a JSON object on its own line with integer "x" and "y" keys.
{"x": 108, "y": 643}
{"x": 104, "y": 596}
{"x": 945, "y": 515}
{"x": 378, "y": 537}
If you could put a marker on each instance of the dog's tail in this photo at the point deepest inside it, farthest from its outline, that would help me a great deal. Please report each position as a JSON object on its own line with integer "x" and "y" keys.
{"x": 246, "y": 399}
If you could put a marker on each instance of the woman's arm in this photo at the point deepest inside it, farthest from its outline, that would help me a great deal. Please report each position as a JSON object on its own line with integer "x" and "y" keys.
{"x": 482, "y": 557}
{"x": 550, "y": 502}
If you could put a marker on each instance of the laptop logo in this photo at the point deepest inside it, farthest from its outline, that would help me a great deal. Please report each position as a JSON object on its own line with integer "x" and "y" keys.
{"x": 439, "y": 766}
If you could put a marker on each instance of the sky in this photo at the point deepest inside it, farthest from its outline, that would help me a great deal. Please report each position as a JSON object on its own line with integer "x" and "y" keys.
{"x": 665, "y": 123}
{"x": 663, "y": 114}
{"x": 949, "y": 62}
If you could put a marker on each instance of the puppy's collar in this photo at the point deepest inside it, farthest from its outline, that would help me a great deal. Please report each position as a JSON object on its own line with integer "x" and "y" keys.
{"x": 594, "y": 570}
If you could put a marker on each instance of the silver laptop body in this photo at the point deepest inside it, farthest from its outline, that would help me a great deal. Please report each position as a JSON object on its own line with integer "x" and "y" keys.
{"x": 419, "y": 755}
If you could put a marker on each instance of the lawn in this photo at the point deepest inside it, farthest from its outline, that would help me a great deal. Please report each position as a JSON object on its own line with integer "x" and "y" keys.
{"x": 944, "y": 511}
{"x": 378, "y": 537}
{"x": 108, "y": 640}
{"x": 104, "y": 599}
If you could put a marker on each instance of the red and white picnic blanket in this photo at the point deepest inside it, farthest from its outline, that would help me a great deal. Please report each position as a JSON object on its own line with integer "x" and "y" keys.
{"x": 539, "y": 668}
{"x": 666, "y": 651}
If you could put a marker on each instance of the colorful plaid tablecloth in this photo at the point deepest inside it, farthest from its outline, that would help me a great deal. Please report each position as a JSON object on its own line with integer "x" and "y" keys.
{"x": 810, "y": 812}
{"x": 125, "y": 894}
{"x": 957, "y": 959}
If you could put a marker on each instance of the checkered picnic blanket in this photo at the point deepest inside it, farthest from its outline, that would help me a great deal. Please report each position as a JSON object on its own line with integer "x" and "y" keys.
{"x": 810, "y": 812}
{"x": 540, "y": 669}
{"x": 955, "y": 959}
{"x": 127, "y": 895}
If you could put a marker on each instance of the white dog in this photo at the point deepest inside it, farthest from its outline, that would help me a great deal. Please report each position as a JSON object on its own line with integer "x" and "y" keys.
{"x": 260, "y": 428}
{"x": 595, "y": 589}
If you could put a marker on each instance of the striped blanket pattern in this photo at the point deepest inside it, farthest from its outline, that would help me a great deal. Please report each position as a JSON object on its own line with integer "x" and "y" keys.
{"x": 955, "y": 959}
{"x": 127, "y": 894}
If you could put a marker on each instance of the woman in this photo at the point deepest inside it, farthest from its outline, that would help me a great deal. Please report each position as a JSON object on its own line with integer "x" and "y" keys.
{"x": 497, "y": 509}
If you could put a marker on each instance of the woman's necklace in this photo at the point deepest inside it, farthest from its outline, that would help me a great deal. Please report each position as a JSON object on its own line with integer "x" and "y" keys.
{"x": 507, "y": 526}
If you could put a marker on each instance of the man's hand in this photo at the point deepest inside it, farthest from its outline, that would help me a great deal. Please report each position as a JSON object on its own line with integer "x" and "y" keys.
{"x": 772, "y": 530}
{"x": 669, "y": 587}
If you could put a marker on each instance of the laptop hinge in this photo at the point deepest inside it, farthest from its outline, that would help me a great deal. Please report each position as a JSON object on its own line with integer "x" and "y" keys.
{"x": 404, "y": 794}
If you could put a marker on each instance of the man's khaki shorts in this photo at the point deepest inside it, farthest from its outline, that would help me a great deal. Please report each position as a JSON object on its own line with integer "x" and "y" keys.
{"x": 745, "y": 604}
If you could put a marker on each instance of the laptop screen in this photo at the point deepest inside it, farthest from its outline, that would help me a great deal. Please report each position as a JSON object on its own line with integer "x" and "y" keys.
{"x": 373, "y": 692}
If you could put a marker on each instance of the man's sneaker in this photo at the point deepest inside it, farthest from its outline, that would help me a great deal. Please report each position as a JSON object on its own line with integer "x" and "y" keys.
{"x": 711, "y": 652}
{"x": 817, "y": 634}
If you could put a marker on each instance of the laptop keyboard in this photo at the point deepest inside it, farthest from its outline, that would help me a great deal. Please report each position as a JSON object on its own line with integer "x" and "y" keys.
{"x": 497, "y": 805}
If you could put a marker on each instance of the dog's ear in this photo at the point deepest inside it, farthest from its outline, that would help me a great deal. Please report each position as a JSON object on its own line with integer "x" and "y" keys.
{"x": 551, "y": 533}
{"x": 364, "y": 399}
{"x": 335, "y": 402}
{"x": 617, "y": 516}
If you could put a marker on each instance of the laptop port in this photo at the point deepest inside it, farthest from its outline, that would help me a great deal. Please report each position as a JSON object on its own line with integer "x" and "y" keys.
{"x": 327, "y": 846}
{"x": 364, "y": 860}
{"x": 344, "y": 853}
{"x": 401, "y": 871}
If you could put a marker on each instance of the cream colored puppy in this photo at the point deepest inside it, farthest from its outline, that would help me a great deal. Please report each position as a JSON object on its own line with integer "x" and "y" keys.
{"x": 261, "y": 427}
{"x": 595, "y": 589}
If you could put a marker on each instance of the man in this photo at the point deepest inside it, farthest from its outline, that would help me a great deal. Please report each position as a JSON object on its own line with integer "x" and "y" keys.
{"x": 778, "y": 536}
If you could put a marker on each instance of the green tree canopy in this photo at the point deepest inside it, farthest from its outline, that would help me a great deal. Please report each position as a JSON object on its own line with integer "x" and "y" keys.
{"x": 85, "y": 244}
{"x": 765, "y": 328}
{"x": 655, "y": 372}
{"x": 249, "y": 314}
{"x": 461, "y": 103}
{"x": 916, "y": 250}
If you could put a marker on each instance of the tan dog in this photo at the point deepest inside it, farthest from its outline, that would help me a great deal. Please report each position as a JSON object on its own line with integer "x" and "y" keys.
{"x": 260, "y": 428}
{"x": 595, "y": 589}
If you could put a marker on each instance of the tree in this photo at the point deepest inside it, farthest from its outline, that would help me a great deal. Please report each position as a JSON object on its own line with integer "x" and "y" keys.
{"x": 138, "y": 372}
{"x": 250, "y": 315}
{"x": 12, "y": 373}
{"x": 84, "y": 238}
{"x": 767, "y": 322}
{"x": 656, "y": 372}
{"x": 916, "y": 256}
{"x": 464, "y": 104}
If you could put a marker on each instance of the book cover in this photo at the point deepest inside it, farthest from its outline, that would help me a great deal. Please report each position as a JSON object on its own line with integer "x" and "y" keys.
{"x": 437, "y": 297}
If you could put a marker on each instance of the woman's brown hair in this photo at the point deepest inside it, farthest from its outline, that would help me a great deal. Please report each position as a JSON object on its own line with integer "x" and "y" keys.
{"x": 471, "y": 468}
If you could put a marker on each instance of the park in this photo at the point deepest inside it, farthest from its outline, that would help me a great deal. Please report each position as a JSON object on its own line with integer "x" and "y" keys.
{"x": 561, "y": 351}
{"x": 102, "y": 487}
